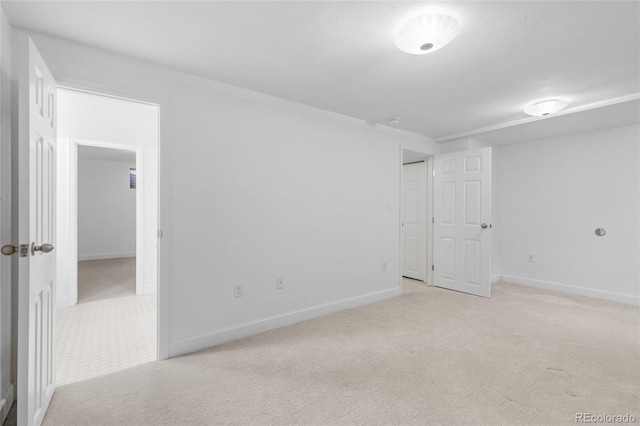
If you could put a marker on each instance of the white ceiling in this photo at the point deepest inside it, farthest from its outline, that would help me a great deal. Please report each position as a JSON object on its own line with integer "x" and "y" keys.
{"x": 106, "y": 154}
{"x": 591, "y": 120}
{"x": 341, "y": 56}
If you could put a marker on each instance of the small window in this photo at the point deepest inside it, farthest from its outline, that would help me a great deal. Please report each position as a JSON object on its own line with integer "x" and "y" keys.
{"x": 132, "y": 178}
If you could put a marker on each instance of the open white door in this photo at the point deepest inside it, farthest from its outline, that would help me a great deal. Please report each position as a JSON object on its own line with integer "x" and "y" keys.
{"x": 36, "y": 227}
{"x": 414, "y": 227}
{"x": 462, "y": 221}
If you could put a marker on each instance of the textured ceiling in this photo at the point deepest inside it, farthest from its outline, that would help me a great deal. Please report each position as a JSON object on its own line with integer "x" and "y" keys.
{"x": 341, "y": 56}
{"x": 591, "y": 120}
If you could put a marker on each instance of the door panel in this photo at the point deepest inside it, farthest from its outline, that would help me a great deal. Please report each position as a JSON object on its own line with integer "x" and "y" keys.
{"x": 448, "y": 201}
{"x": 415, "y": 221}
{"x": 36, "y": 271}
{"x": 411, "y": 250}
{"x": 462, "y": 204}
{"x": 472, "y": 203}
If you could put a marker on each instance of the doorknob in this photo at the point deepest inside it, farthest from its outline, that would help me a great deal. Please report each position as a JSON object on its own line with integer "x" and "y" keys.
{"x": 45, "y": 248}
{"x": 485, "y": 226}
{"x": 9, "y": 249}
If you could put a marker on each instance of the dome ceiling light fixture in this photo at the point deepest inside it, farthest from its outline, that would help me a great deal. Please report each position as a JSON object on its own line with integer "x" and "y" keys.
{"x": 546, "y": 107}
{"x": 394, "y": 121}
{"x": 426, "y": 33}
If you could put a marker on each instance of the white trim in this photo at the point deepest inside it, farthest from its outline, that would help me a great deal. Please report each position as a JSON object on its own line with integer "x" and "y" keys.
{"x": 73, "y": 194}
{"x": 593, "y": 105}
{"x": 106, "y": 95}
{"x": 629, "y": 299}
{"x": 163, "y": 213}
{"x": 6, "y": 403}
{"x": 429, "y": 161}
{"x": 100, "y": 256}
{"x": 401, "y": 220}
{"x": 72, "y": 290}
{"x": 162, "y": 286}
{"x": 140, "y": 237}
{"x": 496, "y": 278}
{"x": 149, "y": 289}
{"x": 254, "y": 327}
{"x": 62, "y": 302}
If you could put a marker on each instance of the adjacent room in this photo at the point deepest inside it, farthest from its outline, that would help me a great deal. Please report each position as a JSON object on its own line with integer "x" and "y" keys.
{"x": 328, "y": 212}
{"x": 106, "y": 223}
{"x": 107, "y": 250}
{"x": 110, "y": 328}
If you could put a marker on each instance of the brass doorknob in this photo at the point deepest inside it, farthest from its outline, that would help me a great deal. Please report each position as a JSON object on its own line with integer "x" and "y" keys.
{"x": 45, "y": 248}
{"x": 9, "y": 249}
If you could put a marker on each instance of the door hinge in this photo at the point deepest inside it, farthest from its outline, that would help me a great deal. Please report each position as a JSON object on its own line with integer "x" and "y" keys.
{"x": 24, "y": 250}
{"x": 159, "y": 233}
{"x": 433, "y": 268}
{"x": 433, "y": 219}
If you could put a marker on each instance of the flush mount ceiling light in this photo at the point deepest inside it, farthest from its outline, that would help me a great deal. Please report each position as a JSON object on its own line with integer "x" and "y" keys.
{"x": 394, "y": 121}
{"x": 544, "y": 108}
{"x": 426, "y": 34}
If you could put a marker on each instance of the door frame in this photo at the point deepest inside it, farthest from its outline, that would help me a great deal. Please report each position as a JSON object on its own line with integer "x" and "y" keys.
{"x": 142, "y": 97}
{"x": 73, "y": 219}
{"x": 428, "y": 159}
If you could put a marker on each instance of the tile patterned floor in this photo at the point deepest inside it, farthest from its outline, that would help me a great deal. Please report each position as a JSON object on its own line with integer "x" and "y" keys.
{"x": 104, "y": 336}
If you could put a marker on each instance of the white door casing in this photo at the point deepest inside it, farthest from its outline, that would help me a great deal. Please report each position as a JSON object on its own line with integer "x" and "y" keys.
{"x": 70, "y": 260}
{"x": 36, "y": 226}
{"x": 462, "y": 221}
{"x": 414, "y": 230}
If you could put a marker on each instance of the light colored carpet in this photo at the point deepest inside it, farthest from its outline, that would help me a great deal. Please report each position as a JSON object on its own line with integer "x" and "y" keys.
{"x": 97, "y": 338}
{"x": 106, "y": 279}
{"x": 431, "y": 356}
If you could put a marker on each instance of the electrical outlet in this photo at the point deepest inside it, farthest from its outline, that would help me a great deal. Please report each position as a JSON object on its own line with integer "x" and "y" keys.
{"x": 384, "y": 266}
{"x": 530, "y": 258}
{"x": 279, "y": 283}
{"x": 237, "y": 290}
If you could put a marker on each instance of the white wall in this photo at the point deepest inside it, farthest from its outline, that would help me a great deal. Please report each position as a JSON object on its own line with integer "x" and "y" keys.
{"x": 106, "y": 210}
{"x": 85, "y": 118}
{"x": 254, "y": 187}
{"x": 553, "y": 194}
{"x": 6, "y": 306}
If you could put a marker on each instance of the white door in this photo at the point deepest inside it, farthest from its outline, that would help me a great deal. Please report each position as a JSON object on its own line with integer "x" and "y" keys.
{"x": 462, "y": 221}
{"x": 36, "y": 227}
{"x": 415, "y": 221}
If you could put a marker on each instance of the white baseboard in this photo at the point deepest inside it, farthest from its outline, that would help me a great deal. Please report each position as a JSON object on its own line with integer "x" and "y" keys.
{"x": 62, "y": 302}
{"x": 105, "y": 256}
{"x": 495, "y": 278}
{"x": 629, "y": 299}
{"x": 254, "y": 327}
{"x": 6, "y": 402}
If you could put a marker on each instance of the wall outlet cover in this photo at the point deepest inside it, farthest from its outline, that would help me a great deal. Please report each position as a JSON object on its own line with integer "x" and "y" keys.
{"x": 238, "y": 290}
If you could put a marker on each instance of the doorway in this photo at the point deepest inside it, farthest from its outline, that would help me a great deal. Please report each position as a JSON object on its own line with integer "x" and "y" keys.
{"x": 416, "y": 216}
{"x": 106, "y": 217}
{"x": 107, "y": 235}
